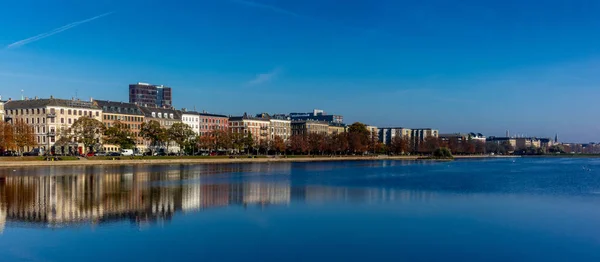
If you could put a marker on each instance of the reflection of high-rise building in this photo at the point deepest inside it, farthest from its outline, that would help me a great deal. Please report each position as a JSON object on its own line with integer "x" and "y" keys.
{"x": 197, "y": 196}
{"x": 266, "y": 193}
{"x": 190, "y": 195}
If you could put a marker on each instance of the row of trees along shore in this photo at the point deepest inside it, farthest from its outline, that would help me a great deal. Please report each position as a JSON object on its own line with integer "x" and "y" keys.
{"x": 357, "y": 140}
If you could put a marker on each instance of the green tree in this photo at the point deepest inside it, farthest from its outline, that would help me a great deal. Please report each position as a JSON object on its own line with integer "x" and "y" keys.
{"x": 557, "y": 149}
{"x": 156, "y": 134}
{"x": 119, "y": 134}
{"x": 181, "y": 134}
{"x": 237, "y": 141}
{"x": 64, "y": 139}
{"x": 442, "y": 153}
{"x": 248, "y": 142}
{"x": 87, "y": 130}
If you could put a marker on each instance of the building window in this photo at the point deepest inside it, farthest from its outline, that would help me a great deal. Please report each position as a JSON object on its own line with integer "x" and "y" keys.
{"x": 69, "y": 121}
{"x": 62, "y": 111}
{"x": 80, "y": 112}
{"x": 62, "y": 120}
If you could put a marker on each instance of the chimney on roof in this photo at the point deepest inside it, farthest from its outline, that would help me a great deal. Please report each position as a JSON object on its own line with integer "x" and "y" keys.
{"x": 36, "y": 97}
{"x": 26, "y": 98}
{"x": 51, "y": 97}
{"x": 91, "y": 99}
{"x": 9, "y": 99}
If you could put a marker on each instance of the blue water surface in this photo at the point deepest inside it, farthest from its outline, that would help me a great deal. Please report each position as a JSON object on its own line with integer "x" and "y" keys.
{"x": 523, "y": 209}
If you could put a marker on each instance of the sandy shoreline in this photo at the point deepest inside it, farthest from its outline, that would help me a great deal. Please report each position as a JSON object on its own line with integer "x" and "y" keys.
{"x": 213, "y": 161}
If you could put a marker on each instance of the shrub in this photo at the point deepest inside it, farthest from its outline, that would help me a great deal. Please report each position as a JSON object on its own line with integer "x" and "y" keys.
{"x": 442, "y": 153}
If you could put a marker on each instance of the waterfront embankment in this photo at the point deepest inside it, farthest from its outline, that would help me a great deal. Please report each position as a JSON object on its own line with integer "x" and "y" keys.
{"x": 158, "y": 161}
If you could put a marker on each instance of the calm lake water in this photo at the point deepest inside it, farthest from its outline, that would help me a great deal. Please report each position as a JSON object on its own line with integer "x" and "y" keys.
{"x": 468, "y": 210}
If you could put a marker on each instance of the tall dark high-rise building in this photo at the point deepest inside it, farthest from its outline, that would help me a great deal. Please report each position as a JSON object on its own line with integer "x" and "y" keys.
{"x": 151, "y": 95}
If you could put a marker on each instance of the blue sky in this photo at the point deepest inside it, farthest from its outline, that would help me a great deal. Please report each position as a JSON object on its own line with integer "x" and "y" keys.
{"x": 531, "y": 67}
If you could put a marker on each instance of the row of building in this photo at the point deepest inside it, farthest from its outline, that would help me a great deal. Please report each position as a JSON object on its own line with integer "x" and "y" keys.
{"x": 50, "y": 117}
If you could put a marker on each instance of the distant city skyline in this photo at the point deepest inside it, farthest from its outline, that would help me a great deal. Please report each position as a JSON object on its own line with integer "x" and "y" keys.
{"x": 473, "y": 66}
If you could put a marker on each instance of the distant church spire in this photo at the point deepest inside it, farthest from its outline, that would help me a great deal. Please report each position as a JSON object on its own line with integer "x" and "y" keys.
{"x": 556, "y": 138}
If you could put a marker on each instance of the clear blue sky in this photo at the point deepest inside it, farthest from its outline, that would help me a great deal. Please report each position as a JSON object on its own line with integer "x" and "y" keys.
{"x": 532, "y": 67}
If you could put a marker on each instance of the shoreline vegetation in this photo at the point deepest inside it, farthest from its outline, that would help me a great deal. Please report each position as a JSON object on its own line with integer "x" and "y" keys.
{"x": 75, "y": 161}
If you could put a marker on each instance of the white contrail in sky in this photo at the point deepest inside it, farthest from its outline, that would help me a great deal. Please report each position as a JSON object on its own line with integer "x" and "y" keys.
{"x": 265, "y": 77}
{"x": 54, "y": 31}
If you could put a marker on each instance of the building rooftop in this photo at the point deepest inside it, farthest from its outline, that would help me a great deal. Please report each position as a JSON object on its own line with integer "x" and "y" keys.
{"x": 37, "y": 103}
{"x": 149, "y": 110}
{"x": 119, "y": 107}
{"x": 308, "y": 121}
{"x": 247, "y": 117}
{"x": 203, "y": 114}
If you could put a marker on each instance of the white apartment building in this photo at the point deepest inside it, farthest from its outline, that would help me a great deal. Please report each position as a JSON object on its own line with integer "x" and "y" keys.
{"x": 191, "y": 119}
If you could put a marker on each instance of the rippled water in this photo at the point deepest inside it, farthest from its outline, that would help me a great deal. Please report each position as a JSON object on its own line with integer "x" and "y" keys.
{"x": 525, "y": 209}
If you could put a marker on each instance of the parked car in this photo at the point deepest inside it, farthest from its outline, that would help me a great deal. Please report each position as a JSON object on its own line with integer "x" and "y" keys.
{"x": 30, "y": 154}
{"x": 172, "y": 154}
{"x": 160, "y": 154}
{"x": 89, "y": 154}
{"x": 10, "y": 153}
{"x": 100, "y": 154}
{"x": 114, "y": 154}
{"x": 148, "y": 153}
{"x": 127, "y": 152}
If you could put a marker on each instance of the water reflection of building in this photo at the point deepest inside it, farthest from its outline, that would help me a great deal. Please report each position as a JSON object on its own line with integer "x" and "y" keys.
{"x": 266, "y": 193}
{"x": 322, "y": 194}
{"x": 56, "y": 197}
